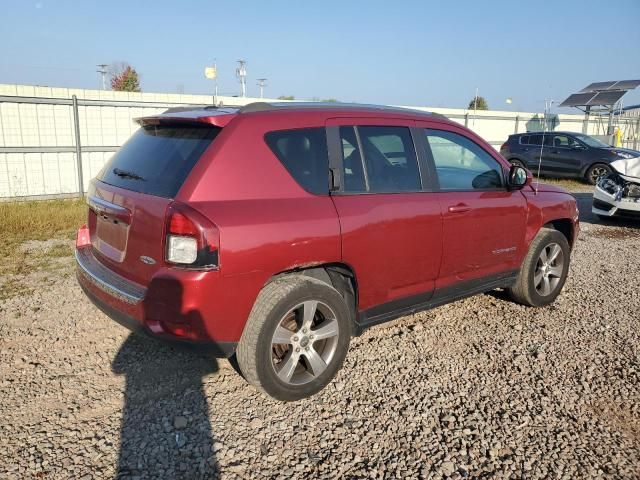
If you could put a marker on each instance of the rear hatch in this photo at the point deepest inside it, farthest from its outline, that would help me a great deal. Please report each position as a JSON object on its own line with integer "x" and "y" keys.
{"x": 128, "y": 199}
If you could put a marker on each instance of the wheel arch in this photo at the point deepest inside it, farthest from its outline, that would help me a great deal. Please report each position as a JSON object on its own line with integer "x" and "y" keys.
{"x": 340, "y": 276}
{"x": 564, "y": 226}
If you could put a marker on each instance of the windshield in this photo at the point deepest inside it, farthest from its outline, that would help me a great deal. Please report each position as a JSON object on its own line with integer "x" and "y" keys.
{"x": 158, "y": 158}
{"x": 592, "y": 142}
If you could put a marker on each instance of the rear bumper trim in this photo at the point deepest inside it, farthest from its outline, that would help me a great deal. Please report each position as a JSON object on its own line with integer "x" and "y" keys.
{"x": 106, "y": 280}
{"x": 216, "y": 348}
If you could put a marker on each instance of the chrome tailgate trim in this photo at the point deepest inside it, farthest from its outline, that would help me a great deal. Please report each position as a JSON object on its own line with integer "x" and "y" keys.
{"x": 107, "y": 280}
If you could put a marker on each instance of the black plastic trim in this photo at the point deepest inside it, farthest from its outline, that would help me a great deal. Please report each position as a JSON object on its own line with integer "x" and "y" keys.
{"x": 427, "y": 300}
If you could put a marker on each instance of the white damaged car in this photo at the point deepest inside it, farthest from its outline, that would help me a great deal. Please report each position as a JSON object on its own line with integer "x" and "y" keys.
{"x": 617, "y": 194}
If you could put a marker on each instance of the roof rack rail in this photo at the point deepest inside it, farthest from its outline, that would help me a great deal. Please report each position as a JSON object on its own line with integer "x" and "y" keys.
{"x": 267, "y": 107}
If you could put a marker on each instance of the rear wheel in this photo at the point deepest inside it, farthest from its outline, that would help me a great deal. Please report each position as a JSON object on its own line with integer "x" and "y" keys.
{"x": 596, "y": 171}
{"x": 543, "y": 271}
{"x": 296, "y": 338}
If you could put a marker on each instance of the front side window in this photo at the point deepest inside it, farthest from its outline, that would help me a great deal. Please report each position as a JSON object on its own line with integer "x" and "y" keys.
{"x": 461, "y": 164}
{"x": 563, "y": 141}
{"x": 590, "y": 141}
{"x": 303, "y": 153}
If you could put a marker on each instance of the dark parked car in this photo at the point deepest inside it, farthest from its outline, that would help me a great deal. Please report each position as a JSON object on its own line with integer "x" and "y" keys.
{"x": 276, "y": 232}
{"x": 563, "y": 154}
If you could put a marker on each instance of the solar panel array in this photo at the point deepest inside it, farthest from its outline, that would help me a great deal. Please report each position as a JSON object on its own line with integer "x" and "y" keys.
{"x": 600, "y": 93}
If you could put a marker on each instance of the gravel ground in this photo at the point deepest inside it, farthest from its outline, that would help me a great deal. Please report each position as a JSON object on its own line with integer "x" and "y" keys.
{"x": 481, "y": 388}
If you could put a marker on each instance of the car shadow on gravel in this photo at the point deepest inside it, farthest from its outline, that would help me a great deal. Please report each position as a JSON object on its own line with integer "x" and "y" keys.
{"x": 165, "y": 430}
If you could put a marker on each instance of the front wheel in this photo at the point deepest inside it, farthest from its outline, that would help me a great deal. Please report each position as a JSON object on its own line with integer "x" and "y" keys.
{"x": 596, "y": 171}
{"x": 296, "y": 338}
{"x": 543, "y": 271}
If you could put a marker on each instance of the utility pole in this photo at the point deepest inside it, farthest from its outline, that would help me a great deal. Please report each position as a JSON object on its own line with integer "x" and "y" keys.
{"x": 241, "y": 73}
{"x": 102, "y": 70}
{"x": 262, "y": 82}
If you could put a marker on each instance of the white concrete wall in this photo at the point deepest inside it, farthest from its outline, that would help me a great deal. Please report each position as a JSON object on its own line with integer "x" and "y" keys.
{"x": 49, "y": 174}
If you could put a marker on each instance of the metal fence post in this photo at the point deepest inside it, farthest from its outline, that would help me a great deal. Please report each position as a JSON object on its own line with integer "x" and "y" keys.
{"x": 517, "y": 124}
{"x": 636, "y": 137}
{"x": 466, "y": 119}
{"x": 76, "y": 123}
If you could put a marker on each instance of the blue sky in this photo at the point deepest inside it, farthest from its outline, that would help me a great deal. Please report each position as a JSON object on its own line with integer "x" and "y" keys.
{"x": 402, "y": 52}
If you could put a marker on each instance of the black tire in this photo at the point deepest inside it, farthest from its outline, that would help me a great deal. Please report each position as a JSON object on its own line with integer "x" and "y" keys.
{"x": 595, "y": 171}
{"x": 525, "y": 290}
{"x": 517, "y": 163}
{"x": 276, "y": 302}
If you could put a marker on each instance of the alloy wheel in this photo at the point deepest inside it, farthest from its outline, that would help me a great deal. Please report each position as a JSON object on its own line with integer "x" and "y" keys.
{"x": 304, "y": 342}
{"x": 549, "y": 269}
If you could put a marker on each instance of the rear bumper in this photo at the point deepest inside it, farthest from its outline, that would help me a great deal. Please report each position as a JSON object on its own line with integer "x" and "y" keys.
{"x": 606, "y": 205}
{"x": 152, "y": 311}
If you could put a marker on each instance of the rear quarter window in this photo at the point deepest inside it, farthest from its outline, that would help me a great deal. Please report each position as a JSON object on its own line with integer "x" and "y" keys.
{"x": 303, "y": 152}
{"x": 157, "y": 159}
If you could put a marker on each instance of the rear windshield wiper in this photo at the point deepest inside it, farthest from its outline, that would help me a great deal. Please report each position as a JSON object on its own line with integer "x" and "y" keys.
{"x": 126, "y": 174}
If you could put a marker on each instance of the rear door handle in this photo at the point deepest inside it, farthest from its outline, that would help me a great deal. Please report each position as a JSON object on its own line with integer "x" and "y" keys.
{"x": 460, "y": 208}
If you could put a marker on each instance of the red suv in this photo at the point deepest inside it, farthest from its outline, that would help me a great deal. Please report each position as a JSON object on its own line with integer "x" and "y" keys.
{"x": 276, "y": 232}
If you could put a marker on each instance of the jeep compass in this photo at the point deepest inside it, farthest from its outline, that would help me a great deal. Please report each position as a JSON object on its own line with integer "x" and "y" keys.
{"x": 277, "y": 232}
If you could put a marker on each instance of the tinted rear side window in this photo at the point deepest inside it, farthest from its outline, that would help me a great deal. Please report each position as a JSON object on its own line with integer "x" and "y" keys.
{"x": 390, "y": 159}
{"x": 537, "y": 140}
{"x": 158, "y": 158}
{"x": 524, "y": 140}
{"x": 303, "y": 153}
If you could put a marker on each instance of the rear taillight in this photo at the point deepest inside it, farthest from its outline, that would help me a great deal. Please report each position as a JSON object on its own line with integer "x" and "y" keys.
{"x": 192, "y": 240}
{"x": 504, "y": 147}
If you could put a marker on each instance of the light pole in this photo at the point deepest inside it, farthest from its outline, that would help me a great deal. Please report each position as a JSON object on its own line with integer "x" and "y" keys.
{"x": 102, "y": 70}
{"x": 212, "y": 74}
{"x": 241, "y": 73}
{"x": 262, "y": 82}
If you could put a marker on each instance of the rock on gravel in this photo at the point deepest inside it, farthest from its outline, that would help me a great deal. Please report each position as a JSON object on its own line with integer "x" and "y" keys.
{"x": 482, "y": 388}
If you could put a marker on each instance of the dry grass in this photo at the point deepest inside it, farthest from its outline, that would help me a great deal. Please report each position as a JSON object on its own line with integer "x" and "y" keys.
{"x": 566, "y": 183}
{"x": 40, "y": 220}
{"x": 35, "y": 221}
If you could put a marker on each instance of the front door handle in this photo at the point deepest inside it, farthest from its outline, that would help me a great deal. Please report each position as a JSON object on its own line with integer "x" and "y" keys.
{"x": 460, "y": 208}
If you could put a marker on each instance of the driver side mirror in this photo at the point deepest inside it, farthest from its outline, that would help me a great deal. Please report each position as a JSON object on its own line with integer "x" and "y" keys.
{"x": 519, "y": 177}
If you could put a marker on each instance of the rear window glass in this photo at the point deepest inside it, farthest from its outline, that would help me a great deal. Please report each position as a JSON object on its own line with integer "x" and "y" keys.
{"x": 303, "y": 152}
{"x": 158, "y": 158}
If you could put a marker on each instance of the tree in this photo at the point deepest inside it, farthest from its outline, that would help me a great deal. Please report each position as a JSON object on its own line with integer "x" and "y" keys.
{"x": 286, "y": 97}
{"x": 480, "y": 104}
{"x": 124, "y": 78}
{"x": 331, "y": 100}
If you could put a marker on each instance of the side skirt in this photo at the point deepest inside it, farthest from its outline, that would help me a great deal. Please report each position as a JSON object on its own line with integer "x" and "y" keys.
{"x": 426, "y": 301}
